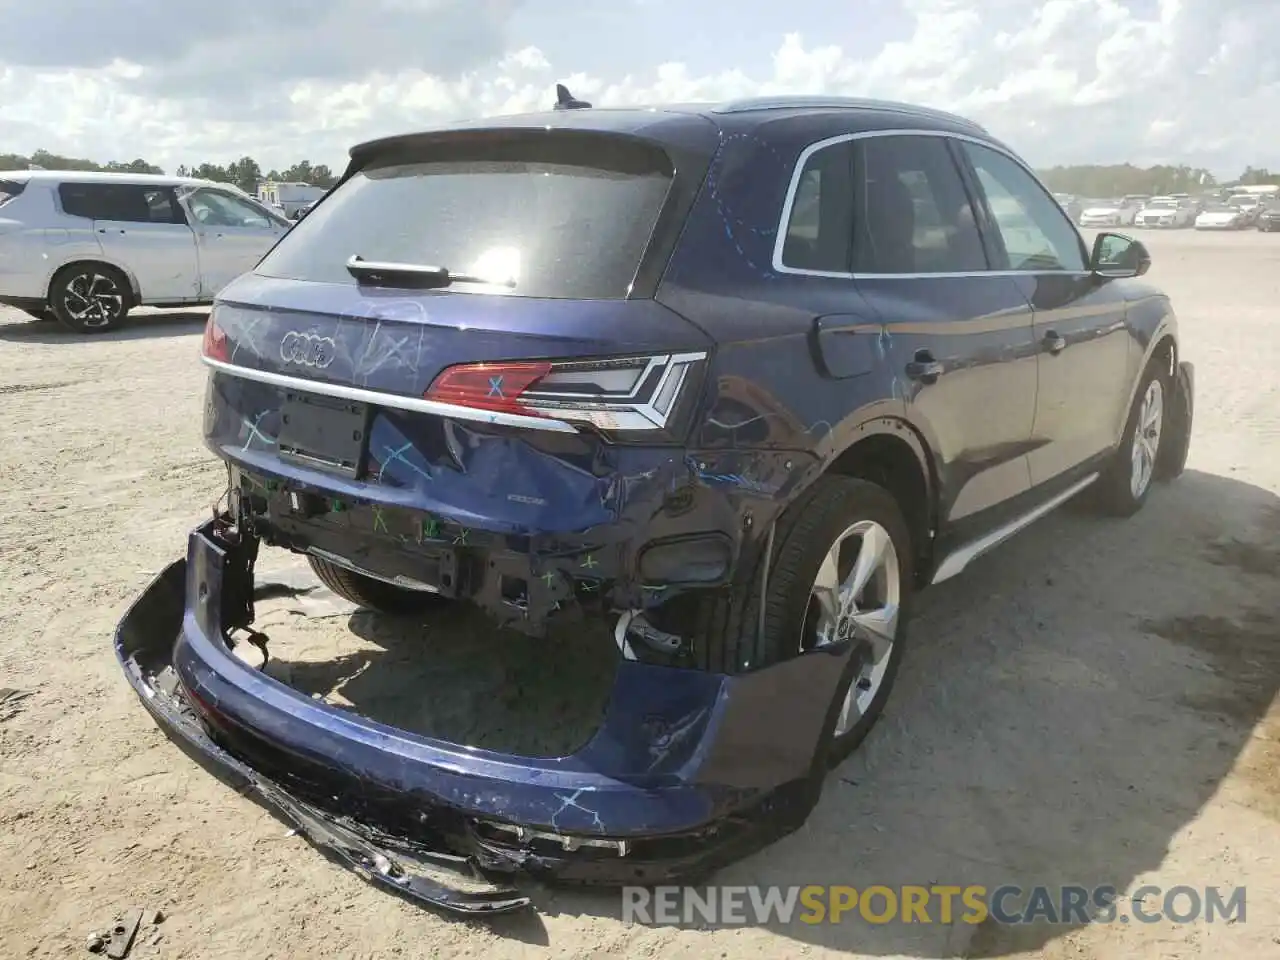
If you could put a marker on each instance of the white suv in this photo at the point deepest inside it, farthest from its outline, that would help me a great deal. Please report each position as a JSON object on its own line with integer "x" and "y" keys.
{"x": 84, "y": 248}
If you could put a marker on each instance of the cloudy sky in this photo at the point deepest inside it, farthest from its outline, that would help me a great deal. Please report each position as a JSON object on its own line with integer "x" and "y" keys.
{"x": 1064, "y": 81}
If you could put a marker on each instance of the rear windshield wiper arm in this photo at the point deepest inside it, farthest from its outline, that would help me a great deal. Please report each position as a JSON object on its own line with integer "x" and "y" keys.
{"x": 413, "y": 276}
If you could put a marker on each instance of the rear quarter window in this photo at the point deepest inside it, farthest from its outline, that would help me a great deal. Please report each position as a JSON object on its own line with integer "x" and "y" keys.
{"x": 565, "y": 219}
{"x": 10, "y": 189}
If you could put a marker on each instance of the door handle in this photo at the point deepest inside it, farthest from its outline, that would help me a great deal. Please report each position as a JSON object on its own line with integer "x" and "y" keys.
{"x": 924, "y": 367}
{"x": 1054, "y": 343}
{"x": 105, "y": 230}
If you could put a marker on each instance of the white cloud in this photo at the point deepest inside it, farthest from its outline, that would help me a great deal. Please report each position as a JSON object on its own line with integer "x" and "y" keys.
{"x": 1063, "y": 81}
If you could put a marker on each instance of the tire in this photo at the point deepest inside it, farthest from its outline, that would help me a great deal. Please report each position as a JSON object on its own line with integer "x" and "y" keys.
{"x": 728, "y": 633}
{"x": 1121, "y": 491}
{"x": 39, "y": 313}
{"x": 90, "y": 298}
{"x": 371, "y": 593}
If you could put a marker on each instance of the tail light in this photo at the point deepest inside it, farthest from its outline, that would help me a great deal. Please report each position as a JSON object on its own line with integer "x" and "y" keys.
{"x": 622, "y": 395}
{"x": 215, "y": 339}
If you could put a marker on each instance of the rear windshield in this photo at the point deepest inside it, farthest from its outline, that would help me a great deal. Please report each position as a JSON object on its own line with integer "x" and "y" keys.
{"x": 562, "y": 218}
{"x": 10, "y": 189}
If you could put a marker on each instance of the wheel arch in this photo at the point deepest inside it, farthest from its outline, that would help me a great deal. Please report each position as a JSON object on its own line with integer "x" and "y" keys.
{"x": 1162, "y": 346}
{"x": 95, "y": 261}
{"x": 890, "y": 452}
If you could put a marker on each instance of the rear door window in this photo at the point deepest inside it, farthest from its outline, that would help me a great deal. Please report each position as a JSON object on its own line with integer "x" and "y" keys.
{"x": 912, "y": 213}
{"x": 84, "y": 200}
{"x": 561, "y": 216}
{"x": 121, "y": 202}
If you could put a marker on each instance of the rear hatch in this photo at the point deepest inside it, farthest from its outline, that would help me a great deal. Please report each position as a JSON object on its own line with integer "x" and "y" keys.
{"x": 497, "y": 325}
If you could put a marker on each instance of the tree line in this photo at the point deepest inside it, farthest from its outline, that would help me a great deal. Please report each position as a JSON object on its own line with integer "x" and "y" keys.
{"x": 52, "y": 161}
{"x": 1086, "y": 181}
{"x": 245, "y": 173}
{"x": 1125, "y": 178}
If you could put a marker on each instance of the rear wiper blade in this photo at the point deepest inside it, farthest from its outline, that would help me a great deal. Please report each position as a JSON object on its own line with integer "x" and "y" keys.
{"x": 413, "y": 276}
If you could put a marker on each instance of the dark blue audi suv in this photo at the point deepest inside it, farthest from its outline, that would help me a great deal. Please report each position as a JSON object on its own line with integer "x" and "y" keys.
{"x": 737, "y": 379}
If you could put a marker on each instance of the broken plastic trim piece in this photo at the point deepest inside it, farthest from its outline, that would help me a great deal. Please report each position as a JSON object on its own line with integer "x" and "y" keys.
{"x": 564, "y": 841}
{"x": 144, "y": 642}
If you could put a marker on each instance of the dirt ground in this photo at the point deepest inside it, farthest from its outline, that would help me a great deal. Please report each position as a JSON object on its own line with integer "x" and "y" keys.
{"x": 1092, "y": 704}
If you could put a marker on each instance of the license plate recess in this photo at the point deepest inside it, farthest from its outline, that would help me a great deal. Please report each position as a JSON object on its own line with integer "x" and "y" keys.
{"x": 323, "y": 433}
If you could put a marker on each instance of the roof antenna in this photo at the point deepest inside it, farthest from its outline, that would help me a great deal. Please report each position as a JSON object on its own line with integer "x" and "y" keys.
{"x": 566, "y": 101}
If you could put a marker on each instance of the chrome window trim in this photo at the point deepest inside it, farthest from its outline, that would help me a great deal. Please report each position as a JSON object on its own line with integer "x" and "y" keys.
{"x": 780, "y": 238}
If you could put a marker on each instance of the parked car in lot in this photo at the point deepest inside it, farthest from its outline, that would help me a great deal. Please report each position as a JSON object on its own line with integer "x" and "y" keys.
{"x": 85, "y": 248}
{"x": 1166, "y": 212}
{"x": 1249, "y": 204}
{"x": 1109, "y": 213}
{"x": 1222, "y": 216}
{"x": 731, "y": 382}
{"x": 1071, "y": 205}
{"x": 1269, "y": 218}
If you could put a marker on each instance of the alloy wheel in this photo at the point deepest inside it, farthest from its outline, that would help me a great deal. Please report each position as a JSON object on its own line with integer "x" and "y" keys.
{"x": 93, "y": 300}
{"x": 855, "y": 599}
{"x": 1146, "y": 439}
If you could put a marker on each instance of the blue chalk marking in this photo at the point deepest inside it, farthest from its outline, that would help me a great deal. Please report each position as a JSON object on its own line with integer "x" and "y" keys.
{"x": 395, "y": 456}
{"x": 254, "y": 432}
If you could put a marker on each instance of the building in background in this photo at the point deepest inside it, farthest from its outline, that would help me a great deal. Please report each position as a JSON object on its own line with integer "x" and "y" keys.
{"x": 288, "y": 198}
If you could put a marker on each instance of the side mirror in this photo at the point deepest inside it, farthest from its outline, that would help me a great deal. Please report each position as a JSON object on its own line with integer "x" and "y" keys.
{"x": 1116, "y": 256}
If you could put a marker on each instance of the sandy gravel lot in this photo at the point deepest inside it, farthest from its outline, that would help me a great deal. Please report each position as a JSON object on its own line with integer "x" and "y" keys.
{"x": 1091, "y": 704}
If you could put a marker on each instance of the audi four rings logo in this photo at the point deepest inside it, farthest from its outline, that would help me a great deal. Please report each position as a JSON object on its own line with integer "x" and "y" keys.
{"x": 307, "y": 349}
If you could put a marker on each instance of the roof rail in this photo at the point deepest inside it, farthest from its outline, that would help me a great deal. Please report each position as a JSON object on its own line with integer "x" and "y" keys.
{"x": 804, "y": 102}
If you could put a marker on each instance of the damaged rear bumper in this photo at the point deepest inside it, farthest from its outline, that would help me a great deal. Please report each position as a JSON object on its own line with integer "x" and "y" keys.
{"x": 688, "y": 771}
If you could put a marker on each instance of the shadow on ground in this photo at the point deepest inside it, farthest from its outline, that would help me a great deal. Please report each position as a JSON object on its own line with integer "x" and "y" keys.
{"x": 137, "y": 326}
{"x": 1067, "y": 707}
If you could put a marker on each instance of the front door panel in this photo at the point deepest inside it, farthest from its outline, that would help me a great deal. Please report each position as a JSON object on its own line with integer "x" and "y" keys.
{"x": 1084, "y": 370}
{"x": 227, "y": 252}
{"x": 233, "y": 235}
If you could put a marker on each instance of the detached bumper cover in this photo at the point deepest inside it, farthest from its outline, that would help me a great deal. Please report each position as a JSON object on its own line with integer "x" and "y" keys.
{"x": 688, "y": 771}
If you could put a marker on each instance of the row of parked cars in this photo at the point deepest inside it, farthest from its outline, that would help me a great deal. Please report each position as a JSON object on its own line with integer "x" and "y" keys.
{"x": 1241, "y": 211}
